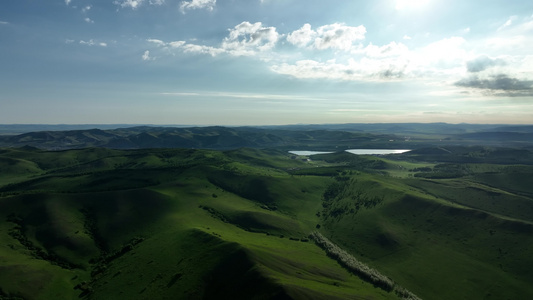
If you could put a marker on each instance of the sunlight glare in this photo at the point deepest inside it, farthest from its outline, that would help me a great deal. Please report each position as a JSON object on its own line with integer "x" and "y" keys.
{"x": 410, "y": 4}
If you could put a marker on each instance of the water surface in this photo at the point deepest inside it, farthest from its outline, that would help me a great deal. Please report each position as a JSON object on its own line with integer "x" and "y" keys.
{"x": 376, "y": 151}
{"x": 354, "y": 151}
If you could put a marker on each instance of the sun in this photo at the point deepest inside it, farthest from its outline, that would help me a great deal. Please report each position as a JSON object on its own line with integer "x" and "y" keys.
{"x": 410, "y": 4}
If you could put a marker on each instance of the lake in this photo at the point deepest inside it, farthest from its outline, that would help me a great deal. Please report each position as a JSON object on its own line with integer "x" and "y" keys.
{"x": 355, "y": 151}
{"x": 307, "y": 153}
{"x": 375, "y": 151}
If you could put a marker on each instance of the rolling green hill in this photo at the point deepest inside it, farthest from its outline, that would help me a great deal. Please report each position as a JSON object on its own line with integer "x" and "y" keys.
{"x": 202, "y": 224}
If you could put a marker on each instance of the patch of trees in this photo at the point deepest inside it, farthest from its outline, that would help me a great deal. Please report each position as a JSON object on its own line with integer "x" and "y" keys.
{"x": 123, "y": 250}
{"x": 360, "y": 269}
{"x": 341, "y": 197}
{"x": 214, "y": 213}
{"x": 91, "y": 229}
{"x": 101, "y": 266}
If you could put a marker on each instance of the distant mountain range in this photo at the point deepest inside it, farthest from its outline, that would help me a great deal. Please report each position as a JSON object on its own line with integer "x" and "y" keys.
{"x": 314, "y": 137}
{"x": 194, "y": 137}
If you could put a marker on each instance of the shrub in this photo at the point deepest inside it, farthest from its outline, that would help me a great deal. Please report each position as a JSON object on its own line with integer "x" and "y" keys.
{"x": 353, "y": 265}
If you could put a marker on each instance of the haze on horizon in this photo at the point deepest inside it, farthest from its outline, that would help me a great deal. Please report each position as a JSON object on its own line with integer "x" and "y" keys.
{"x": 265, "y": 62}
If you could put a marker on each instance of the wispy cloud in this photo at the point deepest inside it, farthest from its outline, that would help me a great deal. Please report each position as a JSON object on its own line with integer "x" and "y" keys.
{"x": 91, "y": 42}
{"x": 243, "y": 95}
{"x": 4, "y": 23}
{"x": 67, "y": 2}
{"x": 197, "y": 4}
{"x": 134, "y": 4}
{"x": 508, "y": 23}
{"x": 186, "y": 48}
{"x": 88, "y": 20}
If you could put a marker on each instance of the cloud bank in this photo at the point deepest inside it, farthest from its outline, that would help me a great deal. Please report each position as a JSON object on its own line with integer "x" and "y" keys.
{"x": 339, "y": 52}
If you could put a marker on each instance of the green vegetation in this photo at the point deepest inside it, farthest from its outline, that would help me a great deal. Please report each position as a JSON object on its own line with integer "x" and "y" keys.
{"x": 203, "y": 224}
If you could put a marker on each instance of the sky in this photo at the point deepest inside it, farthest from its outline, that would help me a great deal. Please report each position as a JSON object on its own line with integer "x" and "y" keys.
{"x": 265, "y": 62}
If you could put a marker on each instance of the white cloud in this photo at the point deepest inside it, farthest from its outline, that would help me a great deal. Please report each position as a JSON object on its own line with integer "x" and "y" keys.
{"x": 338, "y": 36}
{"x": 187, "y": 48}
{"x": 302, "y": 37}
{"x": 146, "y": 56}
{"x": 134, "y": 4}
{"x": 157, "y": 42}
{"x": 440, "y": 63}
{"x": 313, "y": 70}
{"x": 392, "y": 61}
{"x": 406, "y": 37}
{"x": 243, "y": 96}
{"x": 201, "y": 49}
{"x": 86, "y": 8}
{"x": 247, "y": 38}
{"x": 88, "y": 43}
{"x": 197, "y": 4}
{"x": 364, "y": 70}
{"x": 176, "y": 44}
{"x": 88, "y": 20}
{"x": 91, "y": 42}
{"x": 333, "y": 36}
{"x": 67, "y": 2}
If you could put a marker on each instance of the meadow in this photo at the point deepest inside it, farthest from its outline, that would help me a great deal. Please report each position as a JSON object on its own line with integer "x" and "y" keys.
{"x": 98, "y": 223}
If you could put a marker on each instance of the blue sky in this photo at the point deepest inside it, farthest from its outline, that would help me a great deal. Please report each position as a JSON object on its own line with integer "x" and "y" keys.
{"x": 255, "y": 62}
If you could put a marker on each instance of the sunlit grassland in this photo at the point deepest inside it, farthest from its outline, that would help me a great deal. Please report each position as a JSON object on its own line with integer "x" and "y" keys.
{"x": 430, "y": 246}
{"x": 193, "y": 224}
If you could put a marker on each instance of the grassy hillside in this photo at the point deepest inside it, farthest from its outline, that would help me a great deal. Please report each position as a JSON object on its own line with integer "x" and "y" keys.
{"x": 201, "y": 224}
{"x": 151, "y": 224}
